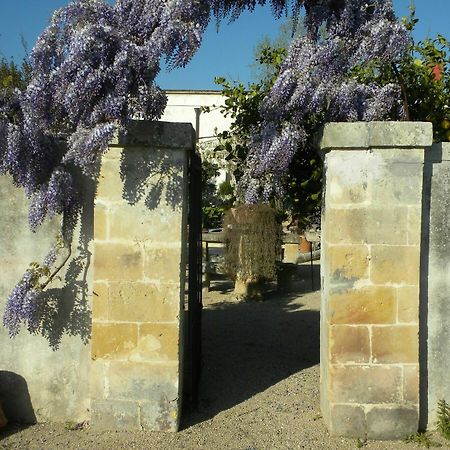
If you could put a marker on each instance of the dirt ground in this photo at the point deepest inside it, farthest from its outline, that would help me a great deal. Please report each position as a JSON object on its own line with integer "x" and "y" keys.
{"x": 259, "y": 388}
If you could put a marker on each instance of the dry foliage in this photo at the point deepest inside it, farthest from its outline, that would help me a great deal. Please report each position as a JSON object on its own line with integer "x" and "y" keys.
{"x": 253, "y": 242}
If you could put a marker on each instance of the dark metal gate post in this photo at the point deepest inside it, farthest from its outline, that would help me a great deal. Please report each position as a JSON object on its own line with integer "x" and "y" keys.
{"x": 195, "y": 276}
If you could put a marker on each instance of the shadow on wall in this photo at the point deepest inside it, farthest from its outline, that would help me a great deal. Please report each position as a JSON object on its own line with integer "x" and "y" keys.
{"x": 15, "y": 398}
{"x": 66, "y": 310}
{"x": 156, "y": 169}
{"x": 251, "y": 346}
{"x": 423, "y": 289}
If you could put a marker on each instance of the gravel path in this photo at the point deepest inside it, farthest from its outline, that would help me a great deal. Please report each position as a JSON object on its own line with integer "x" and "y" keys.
{"x": 260, "y": 386}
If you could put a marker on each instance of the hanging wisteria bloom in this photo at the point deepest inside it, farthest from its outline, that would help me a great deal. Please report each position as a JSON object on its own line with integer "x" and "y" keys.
{"x": 94, "y": 68}
{"x": 316, "y": 79}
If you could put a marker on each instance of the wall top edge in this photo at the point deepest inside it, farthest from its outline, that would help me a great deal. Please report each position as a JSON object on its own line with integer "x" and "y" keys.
{"x": 156, "y": 134}
{"x": 361, "y": 135}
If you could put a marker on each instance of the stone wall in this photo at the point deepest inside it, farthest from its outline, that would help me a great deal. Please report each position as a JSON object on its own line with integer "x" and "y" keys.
{"x": 371, "y": 232}
{"x": 436, "y": 279}
{"x": 119, "y": 367}
{"x": 44, "y": 377}
{"x": 139, "y": 273}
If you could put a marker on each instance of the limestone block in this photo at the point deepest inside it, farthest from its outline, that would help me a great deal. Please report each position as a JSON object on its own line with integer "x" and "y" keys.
{"x": 100, "y": 297}
{"x": 414, "y": 225}
{"x": 411, "y": 383}
{"x": 348, "y": 178}
{"x": 157, "y": 134}
{"x": 399, "y": 183}
{"x": 117, "y": 261}
{"x": 98, "y": 386}
{"x": 110, "y": 185}
{"x": 361, "y": 135}
{"x": 137, "y": 222}
{"x": 395, "y": 264}
{"x": 157, "y": 342}
{"x": 348, "y": 263}
{"x": 349, "y": 344}
{"x": 161, "y": 415}
{"x": 143, "y": 302}
{"x": 348, "y": 421}
{"x": 367, "y": 225}
{"x": 115, "y": 415}
{"x": 395, "y": 344}
{"x": 367, "y": 305}
{"x": 113, "y": 340}
{"x": 101, "y": 231}
{"x": 391, "y": 422}
{"x": 147, "y": 381}
{"x": 408, "y": 307}
{"x": 366, "y": 384}
{"x": 163, "y": 264}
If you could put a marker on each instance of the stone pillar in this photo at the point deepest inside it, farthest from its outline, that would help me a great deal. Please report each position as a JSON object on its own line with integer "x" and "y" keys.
{"x": 436, "y": 307}
{"x": 139, "y": 279}
{"x": 371, "y": 231}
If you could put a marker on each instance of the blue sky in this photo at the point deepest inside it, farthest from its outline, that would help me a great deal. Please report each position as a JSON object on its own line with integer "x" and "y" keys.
{"x": 227, "y": 53}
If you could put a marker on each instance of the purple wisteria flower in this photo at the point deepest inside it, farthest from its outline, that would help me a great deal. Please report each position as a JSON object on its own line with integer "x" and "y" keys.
{"x": 317, "y": 79}
{"x": 94, "y": 68}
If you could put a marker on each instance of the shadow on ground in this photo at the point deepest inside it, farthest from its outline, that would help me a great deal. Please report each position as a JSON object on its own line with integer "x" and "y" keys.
{"x": 250, "y": 346}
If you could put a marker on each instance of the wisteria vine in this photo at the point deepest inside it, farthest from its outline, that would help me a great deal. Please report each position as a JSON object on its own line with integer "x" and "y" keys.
{"x": 94, "y": 68}
{"x": 317, "y": 79}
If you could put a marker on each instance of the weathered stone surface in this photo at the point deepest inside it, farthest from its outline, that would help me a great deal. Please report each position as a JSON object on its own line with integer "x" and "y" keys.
{"x": 348, "y": 421}
{"x": 344, "y": 189}
{"x": 142, "y": 381}
{"x": 378, "y": 177}
{"x": 402, "y": 186}
{"x": 391, "y": 422}
{"x": 361, "y": 135}
{"x": 414, "y": 225}
{"x": 371, "y": 237}
{"x": 101, "y": 231}
{"x": 367, "y": 226}
{"x": 113, "y": 340}
{"x": 411, "y": 383}
{"x": 100, "y": 298}
{"x": 157, "y": 342}
{"x": 408, "y": 304}
{"x": 163, "y": 264}
{"x": 370, "y": 304}
{"x": 115, "y": 415}
{"x": 348, "y": 263}
{"x": 161, "y": 415}
{"x": 366, "y": 384}
{"x": 436, "y": 297}
{"x": 98, "y": 383}
{"x": 137, "y": 222}
{"x": 349, "y": 344}
{"x": 143, "y": 302}
{"x": 37, "y": 381}
{"x": 395, "y": 344}
{"x": 110, "y": 185}
{"x": 395, "y": 264}
{"x": 118, "y": 261}
{"x": 157, "y": 134}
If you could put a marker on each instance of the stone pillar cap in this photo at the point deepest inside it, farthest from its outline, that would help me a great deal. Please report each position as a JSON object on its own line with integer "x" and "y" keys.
{"x": 166, "y": 135}
{"x": 360, "y": 135}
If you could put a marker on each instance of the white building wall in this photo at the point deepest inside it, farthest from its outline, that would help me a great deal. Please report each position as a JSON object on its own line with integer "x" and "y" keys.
{"x": 181, "y": 107}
